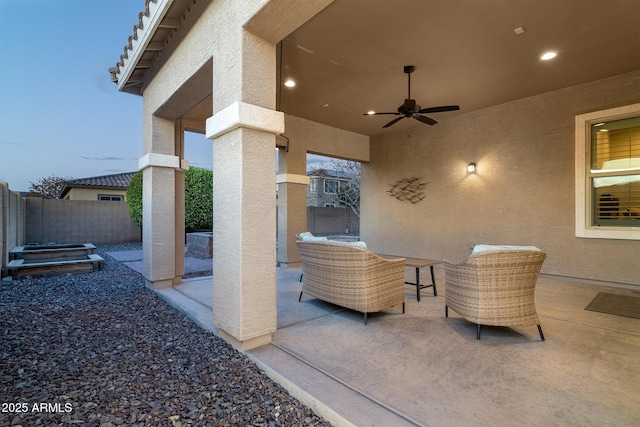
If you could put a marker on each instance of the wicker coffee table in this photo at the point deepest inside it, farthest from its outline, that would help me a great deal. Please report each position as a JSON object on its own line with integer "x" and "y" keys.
{"x": 418, "y": 263}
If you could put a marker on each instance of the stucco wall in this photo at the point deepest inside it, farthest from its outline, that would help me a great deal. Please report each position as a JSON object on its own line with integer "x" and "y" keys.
{"x": 522, "y": 193}
{"x": 325, "y": 140}
{"x": 92, "y": 193}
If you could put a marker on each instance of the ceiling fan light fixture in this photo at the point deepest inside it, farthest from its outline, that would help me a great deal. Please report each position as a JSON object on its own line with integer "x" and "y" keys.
{"x": 548, "y": 55}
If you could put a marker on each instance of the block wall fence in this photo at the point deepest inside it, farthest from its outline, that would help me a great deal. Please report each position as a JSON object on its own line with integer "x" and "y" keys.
{"x": 79, "y": 221}
{"x": 332, "y": 220}
{"x": 12, "y": 221}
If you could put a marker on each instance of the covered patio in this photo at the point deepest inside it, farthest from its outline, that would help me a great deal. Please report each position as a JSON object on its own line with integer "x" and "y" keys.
{"x": 421, "y": 368}
{"x": 219, "y": 68}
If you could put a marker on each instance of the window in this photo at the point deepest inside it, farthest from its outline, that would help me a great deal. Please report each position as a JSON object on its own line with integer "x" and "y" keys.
{"x": 110, "y": 198}
{"x": 331, "y": 186}
{"x": 313, "y": 185}
{"x": 608, "y": 173}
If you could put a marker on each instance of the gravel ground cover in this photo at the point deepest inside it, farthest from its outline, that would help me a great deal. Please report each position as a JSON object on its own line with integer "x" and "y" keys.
{"x": 100, "y": 349}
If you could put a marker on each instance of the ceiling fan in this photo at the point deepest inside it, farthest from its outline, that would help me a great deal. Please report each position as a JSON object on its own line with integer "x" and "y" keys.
{"x": 412, "y": 110}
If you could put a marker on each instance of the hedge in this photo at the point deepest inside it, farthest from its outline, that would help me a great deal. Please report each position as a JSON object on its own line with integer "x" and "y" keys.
{"x": 198, "y": 195}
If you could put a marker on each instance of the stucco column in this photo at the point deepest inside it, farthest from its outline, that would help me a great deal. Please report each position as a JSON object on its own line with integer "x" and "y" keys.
{"x": 244, "y": 199}
{"x": 292, "y": 183}
{"x": 161, "y": 212}
{"x": 244, "y": 202}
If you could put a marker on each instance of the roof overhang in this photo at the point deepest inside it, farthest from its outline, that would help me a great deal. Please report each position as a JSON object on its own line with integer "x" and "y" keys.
{"x": 156, "y": 25}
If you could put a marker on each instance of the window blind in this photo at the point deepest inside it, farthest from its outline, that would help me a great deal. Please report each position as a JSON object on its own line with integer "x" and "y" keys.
{"x": 615, "y": 172}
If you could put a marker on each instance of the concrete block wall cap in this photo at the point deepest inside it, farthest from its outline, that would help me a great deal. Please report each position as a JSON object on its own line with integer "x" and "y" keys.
{"x": 159, "y": 160}
{"x": 240, "y": 114}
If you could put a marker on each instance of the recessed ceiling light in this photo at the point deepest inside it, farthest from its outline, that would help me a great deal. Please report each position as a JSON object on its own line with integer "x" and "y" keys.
{"x": 289, "y": 83}
{"x": 518, "y": 30}
{"x": 548, "y": 55}
{"x": 603, "y": 130}
{"x": 371, "y": 112}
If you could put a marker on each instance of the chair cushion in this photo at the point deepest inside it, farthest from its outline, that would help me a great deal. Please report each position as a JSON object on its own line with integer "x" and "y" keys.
{"x": 308, "y": 237}
{"x": 358, "y": 244}
{"x": 487, "y": 248}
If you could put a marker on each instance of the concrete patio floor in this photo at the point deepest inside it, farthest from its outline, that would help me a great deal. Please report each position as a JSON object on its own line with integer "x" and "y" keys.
{"x": 421, "y": 368}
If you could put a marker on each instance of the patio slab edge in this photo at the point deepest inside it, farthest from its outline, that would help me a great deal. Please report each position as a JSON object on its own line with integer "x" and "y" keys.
{"x": 335, "y": 402}
{"x": 199, "y": 313}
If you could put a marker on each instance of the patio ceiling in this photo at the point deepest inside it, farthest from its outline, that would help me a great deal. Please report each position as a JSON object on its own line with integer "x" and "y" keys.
{"x": 349, "y": 58}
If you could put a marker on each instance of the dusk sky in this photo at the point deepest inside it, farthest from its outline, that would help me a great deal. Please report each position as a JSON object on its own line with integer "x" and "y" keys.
{"x": 60, "y": 114}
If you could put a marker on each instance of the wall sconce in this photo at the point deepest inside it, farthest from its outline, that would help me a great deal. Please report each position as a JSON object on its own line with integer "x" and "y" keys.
{"x": 471, "y": 167}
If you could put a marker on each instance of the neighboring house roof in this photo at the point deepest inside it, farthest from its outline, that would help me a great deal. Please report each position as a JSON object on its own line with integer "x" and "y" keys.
{"x": 115, "y": 181}
{"x": 325, "y": 173}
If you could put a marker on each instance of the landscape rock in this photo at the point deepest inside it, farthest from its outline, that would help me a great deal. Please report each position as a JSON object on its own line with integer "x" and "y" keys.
{"x": 101, "y": 349}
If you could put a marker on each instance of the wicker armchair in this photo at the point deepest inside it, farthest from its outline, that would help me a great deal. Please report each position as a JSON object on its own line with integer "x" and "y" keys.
{"x": 495, "y": 287}
{"x": 351, "y": 277}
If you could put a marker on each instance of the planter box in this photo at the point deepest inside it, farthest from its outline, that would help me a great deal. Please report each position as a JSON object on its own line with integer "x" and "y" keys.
{"x": 200, "y": 245}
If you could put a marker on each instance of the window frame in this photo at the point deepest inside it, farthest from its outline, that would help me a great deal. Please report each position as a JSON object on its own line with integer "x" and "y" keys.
{"x": 326, "y": 181}
{"x": 111, "y": 198}
{"x": 584, "y": 200}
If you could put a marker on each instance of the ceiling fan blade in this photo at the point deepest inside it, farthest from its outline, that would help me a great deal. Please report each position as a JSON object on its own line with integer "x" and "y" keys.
{"x": 392, "y": 122}
{"x": 440, "y": 109}
{"x": 376, "y": 114}
{"x": 425, "y": 119}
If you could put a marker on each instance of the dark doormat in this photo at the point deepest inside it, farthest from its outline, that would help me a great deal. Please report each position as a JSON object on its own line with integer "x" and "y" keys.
{"x": 619, "y": 305}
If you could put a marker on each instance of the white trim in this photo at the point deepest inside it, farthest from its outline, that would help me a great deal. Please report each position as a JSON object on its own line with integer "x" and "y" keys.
{"x": 240, "y": 114}
{"x": 159, "y": 160}
{"x": 290, "y": 178}
{"x": 583, "y": 195}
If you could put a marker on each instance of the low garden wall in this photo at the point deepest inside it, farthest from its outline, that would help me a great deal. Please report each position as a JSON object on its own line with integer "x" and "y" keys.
{"x": 200, "y": 245}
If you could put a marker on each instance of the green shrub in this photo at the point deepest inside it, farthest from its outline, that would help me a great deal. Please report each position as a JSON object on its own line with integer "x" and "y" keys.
{"x": 198, "y": 203}
{"x": 134, "y": 199}
{"x": 198, "y": 199}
